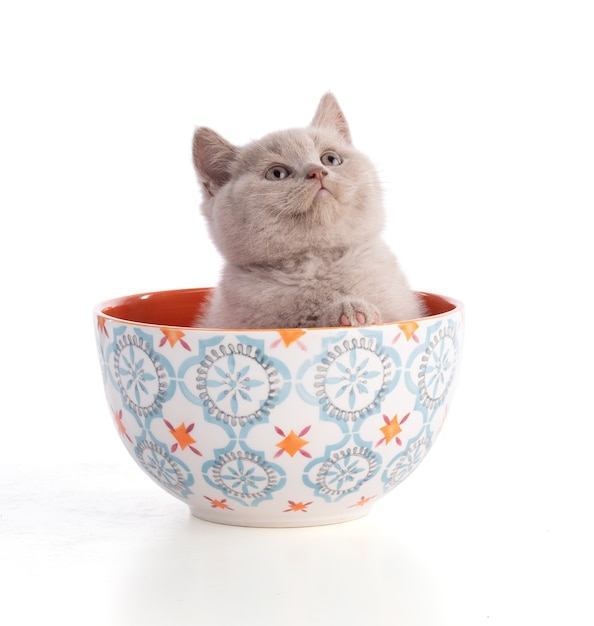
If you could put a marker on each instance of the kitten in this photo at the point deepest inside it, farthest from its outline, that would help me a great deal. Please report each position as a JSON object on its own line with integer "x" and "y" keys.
{"x": 298, "y": 218}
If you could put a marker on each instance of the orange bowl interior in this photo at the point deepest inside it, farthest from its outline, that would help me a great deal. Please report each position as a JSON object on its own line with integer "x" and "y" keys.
{"x": 180, "y": 307}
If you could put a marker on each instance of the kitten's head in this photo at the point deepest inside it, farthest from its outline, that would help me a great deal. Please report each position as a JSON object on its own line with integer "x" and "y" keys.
{"x": 291, "y": 192}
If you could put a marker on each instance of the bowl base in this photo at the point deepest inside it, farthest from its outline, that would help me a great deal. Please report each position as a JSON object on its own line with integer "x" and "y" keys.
{"x": 281, "y": 523}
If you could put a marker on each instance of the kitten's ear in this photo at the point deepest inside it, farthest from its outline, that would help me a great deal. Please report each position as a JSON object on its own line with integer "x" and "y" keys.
{"x": 213, "y": 157}
{"x": 329, "y": 114}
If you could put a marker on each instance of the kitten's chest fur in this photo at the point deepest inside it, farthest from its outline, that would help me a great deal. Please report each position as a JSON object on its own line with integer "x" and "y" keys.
{"x": 312, "y": 290}
{"x": 311, "y": 268}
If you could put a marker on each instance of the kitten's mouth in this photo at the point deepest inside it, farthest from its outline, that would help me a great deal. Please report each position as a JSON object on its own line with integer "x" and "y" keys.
{"x": 322, "y": 192}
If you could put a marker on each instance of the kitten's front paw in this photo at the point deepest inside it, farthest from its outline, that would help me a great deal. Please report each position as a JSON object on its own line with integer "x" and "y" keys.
{"x": 358, "y": 313}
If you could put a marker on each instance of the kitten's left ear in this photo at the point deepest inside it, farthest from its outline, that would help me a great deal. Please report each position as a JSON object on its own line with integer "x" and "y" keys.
{"x": 330, "y": 115}
{"x": 213, "y": 157}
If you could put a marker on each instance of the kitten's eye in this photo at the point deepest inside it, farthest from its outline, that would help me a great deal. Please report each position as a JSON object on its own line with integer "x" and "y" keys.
{"x": 330, "y": 158}
{"x": 277, "y": 172}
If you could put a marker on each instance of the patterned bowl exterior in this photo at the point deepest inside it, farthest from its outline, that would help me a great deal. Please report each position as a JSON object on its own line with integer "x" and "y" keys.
{"x": 295, "y": 427}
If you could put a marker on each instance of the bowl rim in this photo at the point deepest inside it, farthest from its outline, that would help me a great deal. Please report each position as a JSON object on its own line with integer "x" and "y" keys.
{"x": 100, "y": 310}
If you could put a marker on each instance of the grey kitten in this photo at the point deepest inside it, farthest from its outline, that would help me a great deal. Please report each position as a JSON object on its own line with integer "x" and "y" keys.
{"x": 298, "y": 218}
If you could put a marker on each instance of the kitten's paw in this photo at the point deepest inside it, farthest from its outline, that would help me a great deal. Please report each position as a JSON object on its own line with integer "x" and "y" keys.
{"x": 358, "y": 313}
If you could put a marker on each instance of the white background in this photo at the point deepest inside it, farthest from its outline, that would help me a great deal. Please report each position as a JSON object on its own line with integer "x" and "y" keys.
{"x": 479, "y": 116}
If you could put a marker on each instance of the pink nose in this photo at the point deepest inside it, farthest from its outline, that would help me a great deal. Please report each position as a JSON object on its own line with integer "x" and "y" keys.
{"x": 317, "y": 172}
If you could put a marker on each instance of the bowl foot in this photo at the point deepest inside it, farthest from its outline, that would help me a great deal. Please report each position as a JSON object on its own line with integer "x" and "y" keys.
{"x": 294, "y": 522}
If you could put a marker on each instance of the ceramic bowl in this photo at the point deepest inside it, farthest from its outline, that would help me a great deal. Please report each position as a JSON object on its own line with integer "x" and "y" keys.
{"x": 286, "y": 427}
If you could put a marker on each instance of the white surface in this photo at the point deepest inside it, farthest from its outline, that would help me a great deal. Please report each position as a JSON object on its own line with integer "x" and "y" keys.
{"x": 479, "y": 116}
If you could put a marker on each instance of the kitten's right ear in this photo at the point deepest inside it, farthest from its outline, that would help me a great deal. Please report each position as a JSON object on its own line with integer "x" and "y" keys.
{"x": 213, "y": 157}
{"x": 330, "y": 114}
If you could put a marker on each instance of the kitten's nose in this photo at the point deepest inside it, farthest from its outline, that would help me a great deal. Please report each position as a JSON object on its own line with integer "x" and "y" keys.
{"x": 317, "y": 171}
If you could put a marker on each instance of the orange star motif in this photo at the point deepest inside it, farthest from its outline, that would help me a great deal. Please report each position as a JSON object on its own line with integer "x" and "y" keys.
{"x": 118, "y": 420}
{"x": 409, "y": 328}
{"x": 292, "y": 443}
{"x": 392, "y": 429}
{"x": 182, "y": 436}
{"x": 101, "y": 323}
{"x": 289, "y": 336}
{"x": 297, "y": 506}
{"x": 219, "y": 504}
{"x": 362, "y": 502}
{"x": 173, "y": 335}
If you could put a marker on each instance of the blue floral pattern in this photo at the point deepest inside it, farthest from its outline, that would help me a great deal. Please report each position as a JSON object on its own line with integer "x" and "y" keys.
{"x": 403, "y": 465}
{"x": 140, "y": 373}
{"x": 171, "y": 473}
{"x": 244, "y": 476}
{"x": 353, "y": 377}
{"x": 237, "y": 384}
{"x": 434, "y": 366}
{"x": 342, "y": 472}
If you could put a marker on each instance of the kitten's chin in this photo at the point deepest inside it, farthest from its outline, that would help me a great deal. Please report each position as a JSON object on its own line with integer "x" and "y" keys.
{"x": 322, "y": 194}
{"x": 311, "y": 205}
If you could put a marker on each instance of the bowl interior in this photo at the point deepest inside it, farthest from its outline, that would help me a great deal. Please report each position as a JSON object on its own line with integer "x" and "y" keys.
{"x": 180, "y": 307}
